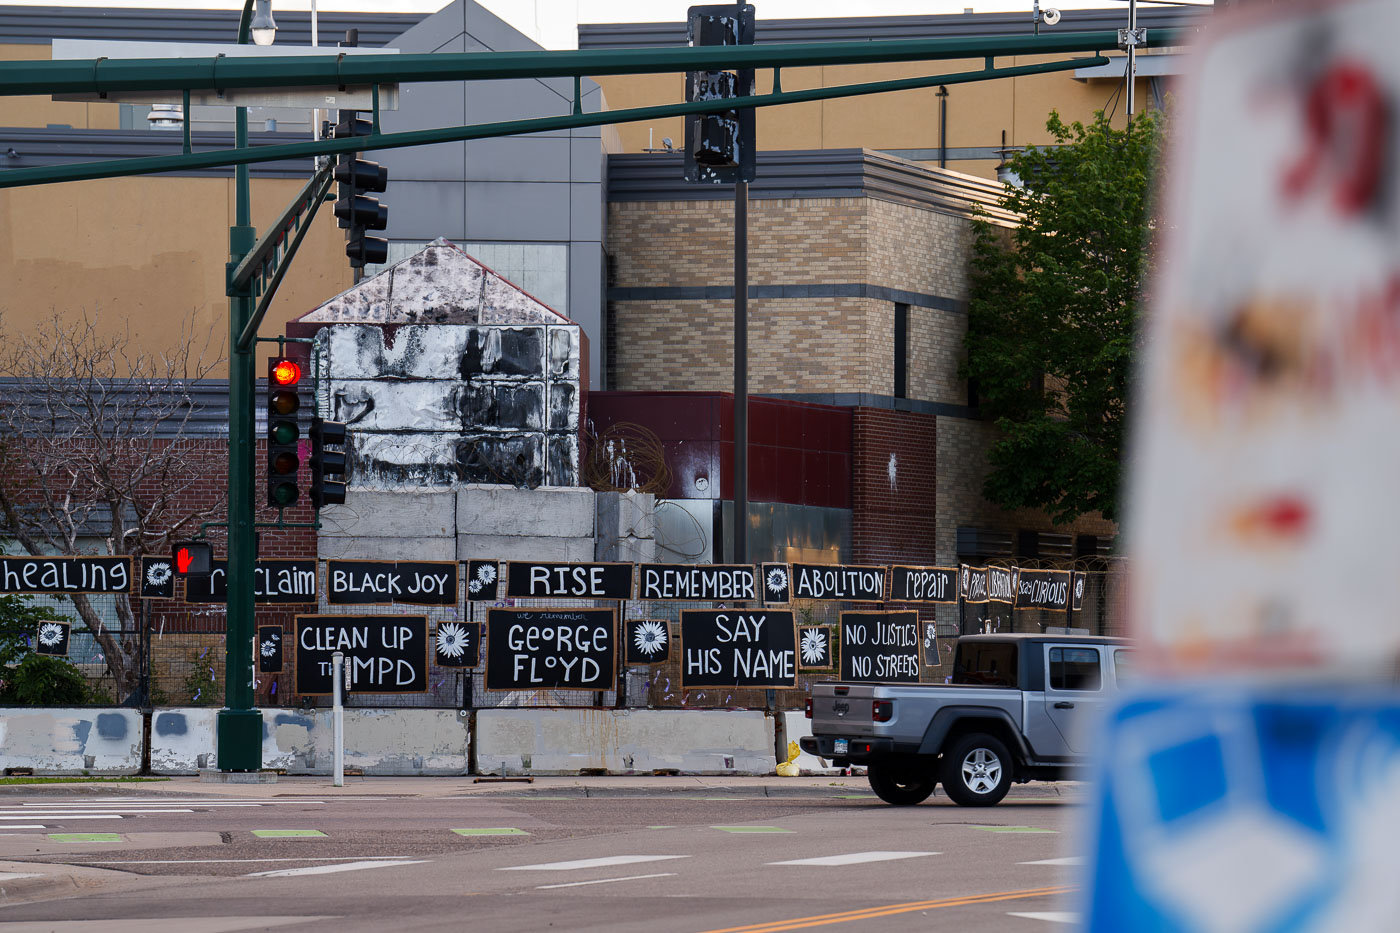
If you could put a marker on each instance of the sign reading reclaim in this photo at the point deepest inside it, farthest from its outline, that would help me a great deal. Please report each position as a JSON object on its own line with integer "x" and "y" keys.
{"x": 734, "y": 648}
{"x": 838, "y": 581}
{"x": 388, "y": 654}
{"x": 550, "y": 649}
{"x": 274, "y": 581}
{"x": 65, "y": 574}
{"x": 880, "y": 646}
{"x": 923, "y": 585}
{"x": 423, "y": 583}
{"x": 702, "y": 582}
{"x": 530, "y": 580}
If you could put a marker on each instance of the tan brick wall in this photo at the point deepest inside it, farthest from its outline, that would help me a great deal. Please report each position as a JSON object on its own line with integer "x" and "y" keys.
{"x": 918, "y": 250}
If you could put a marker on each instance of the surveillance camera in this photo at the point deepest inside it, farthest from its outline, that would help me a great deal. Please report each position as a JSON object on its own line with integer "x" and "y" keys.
{"x": 1050, "y": 16}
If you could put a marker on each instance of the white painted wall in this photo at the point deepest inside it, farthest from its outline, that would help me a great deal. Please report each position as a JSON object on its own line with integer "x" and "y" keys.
{"x": 71, "y": 741}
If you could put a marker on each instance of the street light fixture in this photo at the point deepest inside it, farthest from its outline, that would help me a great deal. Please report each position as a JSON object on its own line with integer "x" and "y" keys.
{"x": 264, "y": 27}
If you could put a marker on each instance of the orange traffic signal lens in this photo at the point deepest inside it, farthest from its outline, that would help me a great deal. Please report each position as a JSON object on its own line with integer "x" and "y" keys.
{"x": 285, "y": 373}
{"x": 284, "y": 403}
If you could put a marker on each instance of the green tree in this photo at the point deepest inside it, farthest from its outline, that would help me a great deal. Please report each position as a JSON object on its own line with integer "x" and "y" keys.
{"x": 1052, "y": 318}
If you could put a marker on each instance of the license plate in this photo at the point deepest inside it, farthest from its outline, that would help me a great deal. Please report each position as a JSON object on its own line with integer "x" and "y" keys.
{"x": 843, "y": 747}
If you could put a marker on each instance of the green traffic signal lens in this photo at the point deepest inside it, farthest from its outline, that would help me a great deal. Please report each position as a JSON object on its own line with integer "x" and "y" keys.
{"x": 285, "y": 462}
{"x": 284, "y": 432}
{"x": 284, "y": 493}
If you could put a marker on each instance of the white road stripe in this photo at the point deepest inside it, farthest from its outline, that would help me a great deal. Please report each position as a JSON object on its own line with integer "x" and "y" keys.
{"x": 1067, "y": 860}
{"x": 579, "y": 884}
{"x": 1051, "y": 916}
{"x": 234, "y": 861}
{"x": 65, "y": 811}
{"x": 122, "y": 805}
{"x": 855, "y": 858}
{"x": 25, "y": 826}
{"x": 15, "y": 876}
{"x": 332, "y": 869}
{"x": 592, "y": 862}
{"x": 61, "y": 817}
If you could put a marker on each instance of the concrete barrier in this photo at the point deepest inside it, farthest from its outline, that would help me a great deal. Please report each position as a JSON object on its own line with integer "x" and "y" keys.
{"x": 566, "y": 741}
{"x": 798, "y": 725}
{"x": 71, "y": 741}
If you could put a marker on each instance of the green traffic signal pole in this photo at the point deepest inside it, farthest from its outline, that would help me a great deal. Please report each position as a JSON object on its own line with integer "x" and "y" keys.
{"x": 240, "y": 725}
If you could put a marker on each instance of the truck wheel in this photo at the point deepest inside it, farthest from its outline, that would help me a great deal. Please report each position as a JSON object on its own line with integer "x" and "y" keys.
{"x": 900, "y": 784}
{"x": 977, "y": 771}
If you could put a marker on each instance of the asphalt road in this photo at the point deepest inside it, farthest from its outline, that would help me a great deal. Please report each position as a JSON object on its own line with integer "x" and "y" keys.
{"x": 448, "y": 855}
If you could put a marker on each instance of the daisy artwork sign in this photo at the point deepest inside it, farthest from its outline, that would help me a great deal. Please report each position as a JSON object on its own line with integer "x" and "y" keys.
{"x": 551, "y": 649}
{"x": 269, "y": 649}
{"x": 814, "y": 648}
{"x": 648, "y": 641}
{"x": 880, "y": 647}
{"x": 777, "y": 583}
{"x": 702, "y": 582}
{"x": 388, "y": 654}
{"x": 737, "y": 648}
{"x": 157, "y": 578}
{"x": 421, "y": 583}
{"x": 52, "y": 638}
{"x": 65, "y": 575}
{"x": 923, "y": 584}
{"x": 457, "y": 644}
{"x": 483, "y": 580}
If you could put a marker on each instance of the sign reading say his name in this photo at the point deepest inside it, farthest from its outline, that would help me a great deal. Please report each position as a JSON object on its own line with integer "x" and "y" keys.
{"x": 705, "y": 582}
{"x": 1043, "y": 589}
{"x": 551, "y": 649}
{"x": 738, "y": 648}
{"x": 423, "y": 583}
{"x": 838, "y": 581}
{"x": 880, "y": 647}
{"x": 388, "y": 654}
{"x": 923, "y": 584}
{"x": 972, "y": 584}
{"x": 65, "y": 574}
{"x": 1001, "y": 584}
{"x": 274, "y": 581}
{"x": 530, "y": 580}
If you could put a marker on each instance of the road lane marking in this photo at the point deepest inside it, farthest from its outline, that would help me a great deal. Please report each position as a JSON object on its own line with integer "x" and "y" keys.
{"x": 1067, "y": 860}
{"x": 333, "y": 869}
{"x": 15, "y": 875}
{"x": 85, "y": 837}
{"x": 752, "y": 829}
{"x": 492, "y": 831}
{"x": 1014, "y": 829}
{"x": 24, "y": 826}
{"x": 870, "y": 913}
{"x": 1050, "y": 916}
{"x": 288, "y": 833}
{"x": 61, "y": 816}
{"x": 579, "y": 884}
{"x": 233, "y": 861}
{"x": 603, "y": 862}
{"x": 855, "y": 858}
{"x": 67, "y": 811}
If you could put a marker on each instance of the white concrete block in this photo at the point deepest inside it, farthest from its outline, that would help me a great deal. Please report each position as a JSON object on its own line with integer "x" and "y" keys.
{"x": 410, "y": 513}
{"x": 798, "y": 726}
{"x": 184, "y": 741}
{"x": 418, "y": 405}
{"x": 378, "y": 741}
{"x": 423, "y": 548}
{"x": 549, "y": 511}
{"x": 71, "y": 741}
{"x": 553, "y": 741}
{"x": 512, "y": 547}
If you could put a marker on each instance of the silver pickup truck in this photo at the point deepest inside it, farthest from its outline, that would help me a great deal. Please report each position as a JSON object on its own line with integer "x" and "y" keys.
{"x": 1014, "y": 711}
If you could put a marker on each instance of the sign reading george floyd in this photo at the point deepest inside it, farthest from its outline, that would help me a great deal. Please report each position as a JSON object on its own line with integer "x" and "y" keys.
{"x": 1043, "y": 589}
{"x": 274, "y": 581}
{"x": 388, "y": 654}
{"x": 923, "y": 585}
{"x": 880, "y": 647}
{"x": 422, "y": 583}
{"x": 65, "y": 575}
{"x": 738, "y": 648}
{"x": 551, "y": 649}
{"x": 531, "y": 580}
{"x": 702, "y": 582}
{"x": 838, "y": 581}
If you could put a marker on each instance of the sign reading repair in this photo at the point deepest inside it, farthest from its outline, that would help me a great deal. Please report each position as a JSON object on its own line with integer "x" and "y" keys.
{"x": 388, "y": 654}
{"x": 735, "y": 648}
{"x": 530, "y": 580}
{"x": 422, "y": 583}
{"x": 551, "y": 649}
{"x": 923, "y": 585}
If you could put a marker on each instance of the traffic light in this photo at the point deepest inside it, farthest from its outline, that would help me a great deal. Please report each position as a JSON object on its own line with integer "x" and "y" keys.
{"x": 357, "y": 212}
{"x": 193, "y": 558}
{"x": 327, "y": 462}
{"x": 719, "y": 147}
{"x": 283, "y": 402}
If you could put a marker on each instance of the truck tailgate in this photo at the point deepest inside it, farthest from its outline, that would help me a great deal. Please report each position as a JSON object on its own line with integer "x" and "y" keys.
{"x": 843, "y": 709}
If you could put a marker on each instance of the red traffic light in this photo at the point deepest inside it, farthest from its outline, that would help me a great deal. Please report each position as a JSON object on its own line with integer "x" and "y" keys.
{"x": 284, "y": 373}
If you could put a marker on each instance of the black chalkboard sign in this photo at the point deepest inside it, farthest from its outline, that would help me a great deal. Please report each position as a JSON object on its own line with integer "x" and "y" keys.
{"x": 274, "y": 581}
{"x": 972, "y": 584}
{"x": 923, "y": 585}
{"x": 531, "y": 580}
{"x": 1043, "y": 589}
{"x": 458, "y": 644}
{"x": 738, "y": 648}
{"x": 838, "y": 581}
{"x": 777, "y": 583}
{"x": 366, "y": 582}
{"x": 483, "y": 580}
{"x": 1001, "y": 584}
{"x": 65, "y": 575}
{"x": 157, "y": 578}
{"x": 814, "y": 648}
{"x": 388, "y": 654}
{"x": 551, "y": 649}
{"x": 648, "y": 641}
{"x": 880, "y": 647}
{"x": 930, "y": 643}
{"x": 269, "y": 649}
{"x": 1076, "y": 600}
{"x": 699, "y": 582}
{"x": 52, "y": 638}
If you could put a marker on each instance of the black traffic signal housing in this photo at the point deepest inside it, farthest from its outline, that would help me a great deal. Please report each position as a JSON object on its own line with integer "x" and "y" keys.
{"x": 327, "y": 462}
{"x": 283, "y": 403}
{"x": 355, "y": 210}
{"x": 719, "y": 147}
{"x": 192, "y": 558}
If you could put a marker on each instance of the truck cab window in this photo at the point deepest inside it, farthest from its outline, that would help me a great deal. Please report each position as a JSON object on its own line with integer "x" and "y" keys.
{"x": 986, "y": 665}
{"x": 1075, "y": 669}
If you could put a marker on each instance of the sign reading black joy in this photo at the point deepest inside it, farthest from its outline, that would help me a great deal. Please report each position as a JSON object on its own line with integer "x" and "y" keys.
{"x": 420, "y": 583}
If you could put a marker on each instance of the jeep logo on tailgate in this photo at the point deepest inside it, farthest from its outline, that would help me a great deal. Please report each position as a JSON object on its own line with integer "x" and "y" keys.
{"x": 841, "y": 707}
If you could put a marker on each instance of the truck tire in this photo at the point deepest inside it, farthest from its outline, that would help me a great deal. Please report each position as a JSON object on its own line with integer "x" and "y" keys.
{"x": 900, "y": 783}
{"x": 977, "y": 770}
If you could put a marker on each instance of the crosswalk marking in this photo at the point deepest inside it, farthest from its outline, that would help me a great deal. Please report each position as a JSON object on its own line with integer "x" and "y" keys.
{"x": 25, "y": 826}
{"x": 232, "y": 861}
{"x": 579, "y": 884}
{"x": 855, "y": 858}
{"x": 80, "y": 814}
{"x": 288, "y": 833}
{"x": 1050, "y": 916}
{"x": 332, "y": 869}
{"x": 66, "y": 817}
{"x": 603, "y": 862}
{"x": 1067, "y": 860}
{"x": 16, "y": 875}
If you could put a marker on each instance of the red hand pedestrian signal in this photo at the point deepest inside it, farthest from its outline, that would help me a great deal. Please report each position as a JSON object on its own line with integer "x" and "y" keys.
{"x": 183, "y": 558}
{"x": 193, "y": 558}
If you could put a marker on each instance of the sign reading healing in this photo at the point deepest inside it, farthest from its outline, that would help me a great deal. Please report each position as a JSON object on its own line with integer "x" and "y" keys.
{"x": 530, "y": 580}
{"x": 701, "y": 582}
{"x": 388, "y": 654}
{"x": 65, "y": 574}
{"x": 422, "y": 583}
{"x": 923, "y": 585}
{"x": 838, "y": 581}
{"x": 880, "y": 647}
{"x": 738, "y": 648}
{"x": 550, "y": 649}
{"x": 274, "y": 581}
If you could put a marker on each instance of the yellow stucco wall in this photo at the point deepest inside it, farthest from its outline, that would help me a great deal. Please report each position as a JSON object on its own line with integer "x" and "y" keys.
{"x": 41, "y": 111}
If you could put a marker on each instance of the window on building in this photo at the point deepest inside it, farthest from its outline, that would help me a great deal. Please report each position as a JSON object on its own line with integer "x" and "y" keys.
{"x": 901, "y": 351}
